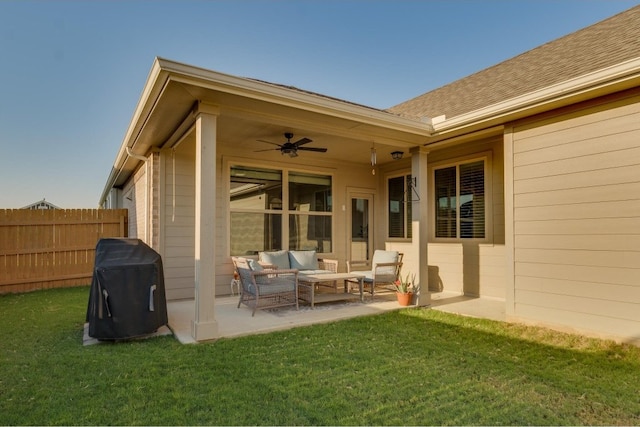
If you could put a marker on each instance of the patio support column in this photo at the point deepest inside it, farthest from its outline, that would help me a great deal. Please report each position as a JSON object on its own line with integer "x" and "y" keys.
{"x": 204, "y": 325}
{"x": 420, "y": 219}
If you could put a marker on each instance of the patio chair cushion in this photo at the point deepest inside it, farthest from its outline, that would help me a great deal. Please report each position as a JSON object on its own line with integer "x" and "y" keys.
{"x": 318, "y": 271}
{"x": 306, "y": 262}
{"x": 268, "y": 285}
{"x": 278, "y": 285}
{"x": 254, "y": 265}
{"x": 278, "y": 258}
{"x": 380, "y": 256}
{"x": 303, "y": 260}
{"x": 245, "y": 275}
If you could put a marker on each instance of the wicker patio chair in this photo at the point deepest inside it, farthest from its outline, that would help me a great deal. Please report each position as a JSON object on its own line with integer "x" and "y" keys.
{"x": 265, "y": 288}
{"x": 384, "y": 268}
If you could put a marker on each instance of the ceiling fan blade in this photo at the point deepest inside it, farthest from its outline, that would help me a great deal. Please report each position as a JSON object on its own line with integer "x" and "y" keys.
{"x": 268, "y": 142}
{"x": 302, "y": 142}
{"x": 318, "y": 149}
{"x": 268, "y": 149}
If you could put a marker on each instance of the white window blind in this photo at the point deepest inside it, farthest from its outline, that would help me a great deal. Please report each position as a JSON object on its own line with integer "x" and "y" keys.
{"x": 460, "y": 201}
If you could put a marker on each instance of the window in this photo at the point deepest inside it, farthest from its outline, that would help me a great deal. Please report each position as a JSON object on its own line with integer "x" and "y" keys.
{"x": 460, "y": 201}
{"x": 263, "y": 216}
{"x": 310, "y": 208}
{"x": 399, "y": 212}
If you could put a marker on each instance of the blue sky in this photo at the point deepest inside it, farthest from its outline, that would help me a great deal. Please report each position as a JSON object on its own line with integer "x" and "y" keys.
{"x": 71, "y": 72}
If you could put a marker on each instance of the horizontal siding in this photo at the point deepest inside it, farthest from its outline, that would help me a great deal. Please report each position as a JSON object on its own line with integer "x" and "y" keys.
{"x": 628, "y": 156}
{"x": 619, "y": 117}
{"x": 180, "y": 292}
{"x": 594, "y": 306}
{"x": 575, "y": 196}
{"x": 134, "y": 201}
{"x": 470, "y": 268}
{"x": 591, "y": 210}
{"x": 592, "y": 290}
{"x": 565, "y": 318}
{"x": 577, "y": 220}
{"x": 585, "y": 179}
{"x": 599, "y": 226}
{"x": 551, "y": 155}
{"x": 179, "y": 223}
{"x": 586, "y": 273}
{"x": 605, "y": 242}
{"x": 591, "y": 257}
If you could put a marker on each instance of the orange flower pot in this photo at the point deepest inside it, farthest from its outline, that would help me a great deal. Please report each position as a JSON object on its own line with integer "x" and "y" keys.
{"x": 404, "y": 299}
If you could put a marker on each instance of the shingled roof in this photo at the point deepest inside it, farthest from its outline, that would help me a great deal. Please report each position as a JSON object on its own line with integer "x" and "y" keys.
{"x": 606, "y": 43}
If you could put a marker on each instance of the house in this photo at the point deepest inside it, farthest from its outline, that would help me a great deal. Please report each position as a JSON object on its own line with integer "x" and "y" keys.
{"x": 42, "y": 204}
{"x": 520, "y": 182}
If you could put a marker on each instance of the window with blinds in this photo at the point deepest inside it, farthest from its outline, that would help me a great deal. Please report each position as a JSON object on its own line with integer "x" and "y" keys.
{"x": 460, "y": 201}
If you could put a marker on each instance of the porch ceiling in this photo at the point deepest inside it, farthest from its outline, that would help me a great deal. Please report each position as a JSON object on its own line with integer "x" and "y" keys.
{"x": 245, "y": 118}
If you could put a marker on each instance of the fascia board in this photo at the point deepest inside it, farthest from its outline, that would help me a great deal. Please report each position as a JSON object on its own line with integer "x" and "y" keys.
{"x": 298, "y": 99}
{"x": 156, "y": 80}
{"x": 597, "y": 80}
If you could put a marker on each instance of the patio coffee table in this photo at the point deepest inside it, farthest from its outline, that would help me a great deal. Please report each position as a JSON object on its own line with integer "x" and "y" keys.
{"x": 307, "y": 287}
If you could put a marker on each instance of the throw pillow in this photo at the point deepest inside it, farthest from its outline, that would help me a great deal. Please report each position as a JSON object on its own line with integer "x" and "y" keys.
{"x": 255, "y": 265}
{"x": 277, "y": 258}
{"x": 303, "y": 260}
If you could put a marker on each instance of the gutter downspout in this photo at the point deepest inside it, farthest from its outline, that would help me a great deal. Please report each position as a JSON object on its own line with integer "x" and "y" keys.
{"x": 146, "y": 190}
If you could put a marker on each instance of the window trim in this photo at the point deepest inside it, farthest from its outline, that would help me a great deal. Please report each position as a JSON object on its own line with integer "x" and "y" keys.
{"x": 486, "y": 157}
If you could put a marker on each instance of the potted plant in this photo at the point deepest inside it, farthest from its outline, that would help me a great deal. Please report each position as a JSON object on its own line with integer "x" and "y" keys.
{"x": 405, "y": 289}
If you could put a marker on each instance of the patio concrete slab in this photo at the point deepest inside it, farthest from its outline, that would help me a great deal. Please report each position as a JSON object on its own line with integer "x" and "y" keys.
{"x": 235, "y": 322}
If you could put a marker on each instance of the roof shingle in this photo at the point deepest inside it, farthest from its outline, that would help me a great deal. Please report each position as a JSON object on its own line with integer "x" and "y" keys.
{"x": 606, "y": 43}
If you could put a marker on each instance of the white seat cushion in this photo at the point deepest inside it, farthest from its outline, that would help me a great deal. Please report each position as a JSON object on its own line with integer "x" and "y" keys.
{"x": 380, "y": 256}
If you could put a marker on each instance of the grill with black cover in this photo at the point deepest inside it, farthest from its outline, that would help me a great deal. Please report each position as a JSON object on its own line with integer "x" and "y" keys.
{"x": 127, "y": 296}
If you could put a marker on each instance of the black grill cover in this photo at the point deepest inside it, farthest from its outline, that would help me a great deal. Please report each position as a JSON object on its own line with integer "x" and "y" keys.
{"x": 127, "y": 296}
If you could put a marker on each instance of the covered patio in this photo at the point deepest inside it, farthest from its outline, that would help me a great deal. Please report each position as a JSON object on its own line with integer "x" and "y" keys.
{"x": 236, "y": 322}
{"x": 206, "y": 175}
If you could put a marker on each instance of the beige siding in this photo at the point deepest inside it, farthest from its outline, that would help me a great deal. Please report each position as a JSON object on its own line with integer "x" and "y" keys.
{"x": 179, "y": 222}
{"x": 154, "y": 203}
{"x": 577, "y": 220}
{"x": 135, "y": 201}
{"x": 476, "y": 269}
{"x": 472, "y": 268}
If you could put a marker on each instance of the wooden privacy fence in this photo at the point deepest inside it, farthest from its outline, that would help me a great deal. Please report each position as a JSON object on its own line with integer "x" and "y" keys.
{"x": 41, "y": 249}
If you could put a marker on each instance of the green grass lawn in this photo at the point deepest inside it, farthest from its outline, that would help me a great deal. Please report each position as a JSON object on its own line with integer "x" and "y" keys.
{"x": 407, "y": 367}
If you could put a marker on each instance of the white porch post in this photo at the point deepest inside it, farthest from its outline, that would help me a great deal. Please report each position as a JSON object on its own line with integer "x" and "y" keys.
{"x": 204, "y": 326}
{"x": 420, "y": 218}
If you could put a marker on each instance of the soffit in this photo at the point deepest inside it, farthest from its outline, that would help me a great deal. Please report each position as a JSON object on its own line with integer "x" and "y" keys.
{"x": 243, "y": 120}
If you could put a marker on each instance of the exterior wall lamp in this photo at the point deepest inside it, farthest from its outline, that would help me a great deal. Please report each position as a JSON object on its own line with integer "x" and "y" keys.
{"x": 397, "y": 155}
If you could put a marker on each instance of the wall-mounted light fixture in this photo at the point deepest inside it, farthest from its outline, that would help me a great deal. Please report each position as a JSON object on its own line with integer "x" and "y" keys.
{"x": 397, "y": 155}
